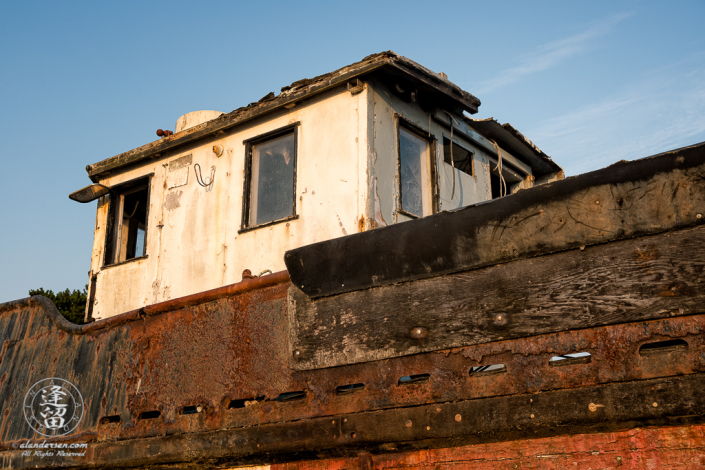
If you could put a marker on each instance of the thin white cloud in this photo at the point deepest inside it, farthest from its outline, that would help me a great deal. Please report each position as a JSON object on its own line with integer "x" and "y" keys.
{"x": 549, "y": 55}
{"x": 654, "y": 114}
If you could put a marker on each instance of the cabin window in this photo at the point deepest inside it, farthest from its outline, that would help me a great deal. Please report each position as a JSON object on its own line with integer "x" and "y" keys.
{"x": 270, "y": 179}
{"x": 462, "y": 158}
{"x": 511, "y": 179}
{"x": 127, "y": 222}
{"x": 414, "y": 174}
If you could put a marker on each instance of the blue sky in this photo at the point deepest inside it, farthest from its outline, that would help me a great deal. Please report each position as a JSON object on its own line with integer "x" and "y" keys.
{"x": 590, "y": 83}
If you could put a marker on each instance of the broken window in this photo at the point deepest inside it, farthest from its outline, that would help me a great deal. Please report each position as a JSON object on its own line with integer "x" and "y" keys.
{"x": 462, "y": 158}
{"x": 414, "y": 174}
{"x": 510, "y": 181}
{"x": 127, "y": 222}
{"x": 270, "y": 184}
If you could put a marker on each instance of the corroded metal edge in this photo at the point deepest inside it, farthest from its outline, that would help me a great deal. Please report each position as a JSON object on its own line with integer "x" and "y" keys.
{"x": 61, "y": 323}
{"x": 613, "y": 407}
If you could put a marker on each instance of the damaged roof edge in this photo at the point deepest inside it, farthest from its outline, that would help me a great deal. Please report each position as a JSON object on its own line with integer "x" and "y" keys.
{"x": 513, "y": 140}
{"x": 296, "y": 91}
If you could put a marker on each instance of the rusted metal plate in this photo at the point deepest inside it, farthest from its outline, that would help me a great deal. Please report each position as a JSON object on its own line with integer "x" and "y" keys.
{"x": 608, "y": 408}
{"x": 625, "y": 200}
{"x": 626, "y": 281}
{"x": 227, "y": 352}
{"x": 678, "y": 447}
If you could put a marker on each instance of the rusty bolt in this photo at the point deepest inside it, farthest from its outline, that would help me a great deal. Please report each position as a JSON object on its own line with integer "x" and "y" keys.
{"x": 655, "y": 405}
{"x": 297, "y": 354}
{"x": 419, "y": 332}
{"x": 532, "y": 416}
{"x": 408, "y": 423}
{"x": 594, "y": 407}
{"x": 699, "y": 216}
{"x": 247, "y": 274}
{"x": 458, "y": 418}
{"x": 500, "y": 319}
{"x": 353, "y": 435}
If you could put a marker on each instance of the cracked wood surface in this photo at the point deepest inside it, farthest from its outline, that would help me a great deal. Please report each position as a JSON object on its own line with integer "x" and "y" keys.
{"x": 625, "y": 200}
{"x": 627, "y": 281}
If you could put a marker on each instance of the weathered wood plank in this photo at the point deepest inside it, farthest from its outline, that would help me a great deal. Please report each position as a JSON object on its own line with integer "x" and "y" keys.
{"x": 626, "y": 281}
{"x": 625, "y": 200}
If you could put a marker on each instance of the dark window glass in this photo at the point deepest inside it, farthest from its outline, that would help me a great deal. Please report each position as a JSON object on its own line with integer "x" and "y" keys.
{"x": 413, "y": 156}
{"x": 272, "y": 180}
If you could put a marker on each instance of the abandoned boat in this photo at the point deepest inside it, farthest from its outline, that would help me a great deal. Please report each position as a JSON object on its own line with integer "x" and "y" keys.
{"x": 354, "y": 274}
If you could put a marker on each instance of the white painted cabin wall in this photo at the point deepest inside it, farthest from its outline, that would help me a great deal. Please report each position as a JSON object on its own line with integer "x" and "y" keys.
{"x": 198, "y": 246}
{"x": 346, "y": 181}
{"x": 469, "y": 189}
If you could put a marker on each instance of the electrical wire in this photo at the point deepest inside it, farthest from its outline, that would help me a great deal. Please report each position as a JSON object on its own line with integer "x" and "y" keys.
{"x": 452, "y": 162}
{"x": 133, "y": 211}
{"x": 199, "y": 177}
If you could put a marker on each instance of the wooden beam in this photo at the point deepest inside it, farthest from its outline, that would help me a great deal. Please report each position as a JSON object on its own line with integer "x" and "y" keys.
{"x": 625, "y": 200}
{"x": 621, "y": 282}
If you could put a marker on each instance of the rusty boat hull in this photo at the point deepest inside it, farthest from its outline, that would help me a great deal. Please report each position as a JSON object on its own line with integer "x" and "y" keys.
{"x": 564, "y": 329}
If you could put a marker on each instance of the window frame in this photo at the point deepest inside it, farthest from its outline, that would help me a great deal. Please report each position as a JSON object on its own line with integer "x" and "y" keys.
{"x": 116, "y": 194}
{"x": 508, "y": 170}
{"x": 247, "y": 186}
{"x": 455, "y": 141}
{"x": 410, "y": 127}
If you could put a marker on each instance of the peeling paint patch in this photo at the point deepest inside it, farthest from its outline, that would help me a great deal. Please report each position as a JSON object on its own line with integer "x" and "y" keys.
{"x": 172, "y": 200}
{"x": 177, "y": 178}
{"x": 181, "y": 162}
{"x": 379, "y": 218}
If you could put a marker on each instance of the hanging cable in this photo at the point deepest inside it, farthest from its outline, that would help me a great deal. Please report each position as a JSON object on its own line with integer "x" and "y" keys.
{"x": 133, "y": 210}
{"x": 498, "y": 168}
{"x": 452, "y": 162}
{"x": 199, "y": 177}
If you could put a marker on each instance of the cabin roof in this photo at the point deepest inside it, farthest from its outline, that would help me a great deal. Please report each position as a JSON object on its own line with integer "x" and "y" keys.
{"x": 388, "y": 62}
{"x": 511, "y": 139}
